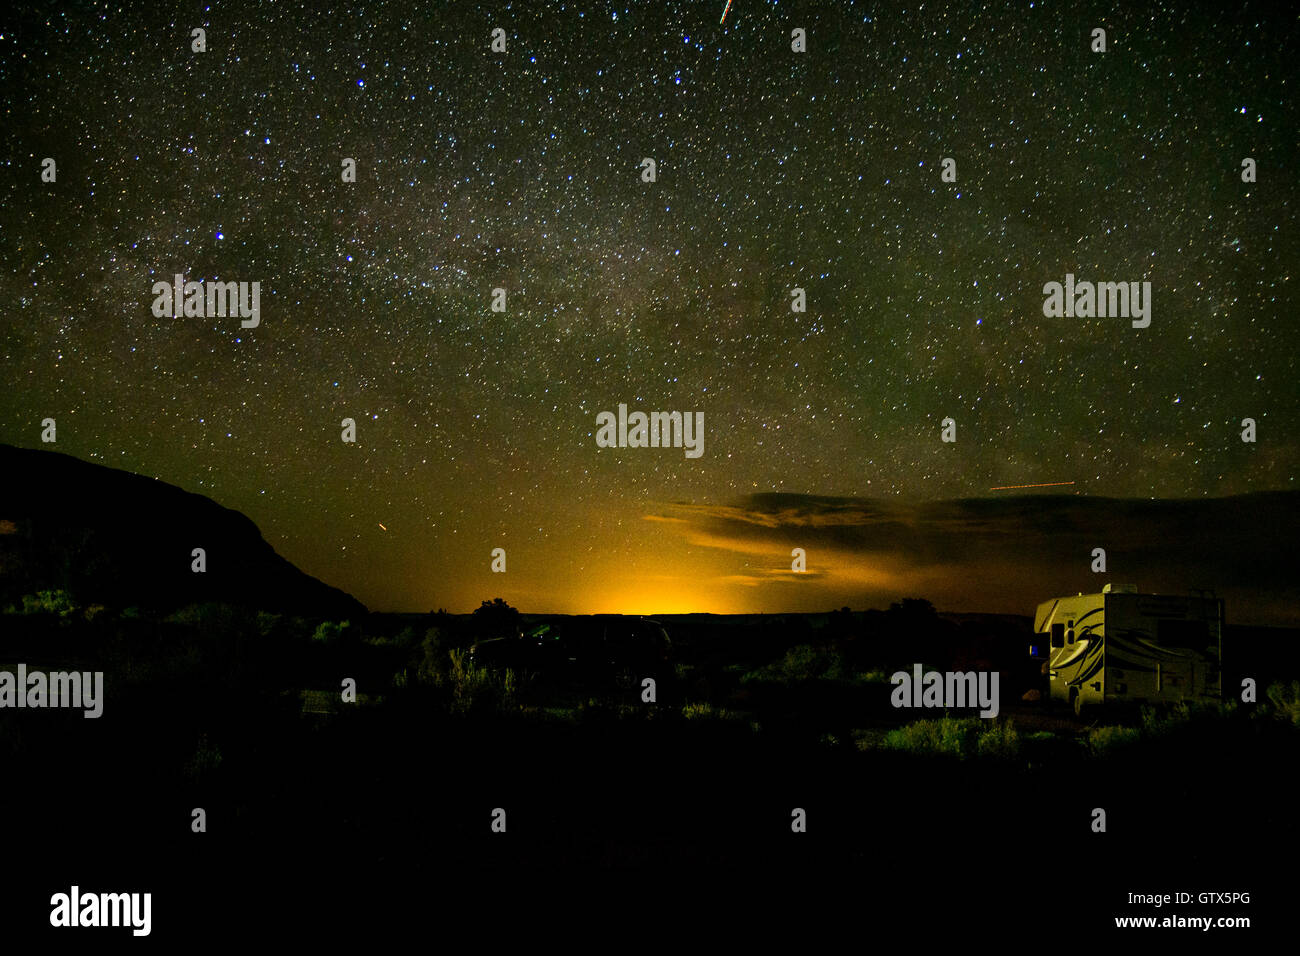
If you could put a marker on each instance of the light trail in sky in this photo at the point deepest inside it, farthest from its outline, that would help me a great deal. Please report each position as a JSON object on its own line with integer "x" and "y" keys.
{"x": 1046, "y": 484}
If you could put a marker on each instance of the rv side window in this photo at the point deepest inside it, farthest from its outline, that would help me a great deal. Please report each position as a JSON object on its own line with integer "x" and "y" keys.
{"x": 1058, "y": 635}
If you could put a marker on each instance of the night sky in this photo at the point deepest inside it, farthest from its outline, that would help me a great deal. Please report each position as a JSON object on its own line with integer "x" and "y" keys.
{"x": 522, "y": 170}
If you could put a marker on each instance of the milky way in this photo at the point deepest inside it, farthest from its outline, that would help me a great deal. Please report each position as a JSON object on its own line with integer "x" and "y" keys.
{"x": 522, "y": 170}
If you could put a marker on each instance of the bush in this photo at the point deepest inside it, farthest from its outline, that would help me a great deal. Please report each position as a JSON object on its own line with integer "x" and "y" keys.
{"x": 801, "y": 663}
{"x": 431, "y": 668}
{"x": 1109, "y": 740}
{"x": 1160, "y": 720}
{"x": 329, "y": 632}
{"x": 56, "y": 601}
{"x": 1183, "y": 721}
{"x": 1285, "y": 700}
{"x": 205, "y": 760}
{"x": 947, "y": 735}
{"x": 998, "y": 740}
{"x": 705, "y": 711}
{"x": 213, "y": 617}
{"x": 1164, "y": 719}
{"x": 874, "y": 676}
{"x": 475, "y": 687}
{"x": 959, "y": 737}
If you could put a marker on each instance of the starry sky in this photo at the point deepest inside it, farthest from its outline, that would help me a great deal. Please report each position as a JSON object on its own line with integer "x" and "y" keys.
{"x": 522, "y": 170}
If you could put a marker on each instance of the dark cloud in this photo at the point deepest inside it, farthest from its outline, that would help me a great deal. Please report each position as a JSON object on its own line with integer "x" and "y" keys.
{"x": 1008, "y": 554}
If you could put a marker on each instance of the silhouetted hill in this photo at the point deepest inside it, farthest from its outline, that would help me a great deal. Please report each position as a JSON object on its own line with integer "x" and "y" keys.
{"x": 112, "y": 537}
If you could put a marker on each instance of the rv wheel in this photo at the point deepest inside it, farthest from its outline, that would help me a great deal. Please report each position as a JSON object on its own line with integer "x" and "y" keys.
{"x": 1076, "y": 702}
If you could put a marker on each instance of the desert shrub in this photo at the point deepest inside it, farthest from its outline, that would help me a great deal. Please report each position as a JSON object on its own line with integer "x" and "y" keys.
{"x": 1111, "y": 739}
{"x": 997, "y": 739}
{"x": 960, "y": 737}
{"x": 56, "y": 601}
{"x": 703, "y": 710}
{"x": 213, "y": 617}
{"x": 431, "y": 667}
{"x": 1161, "y": 720}
{"x": 947, "y": 735}
{"x": 477, "y": 687}
{"x": 205, "y": 759}
{"x": 803, "y": 662}
{"x": 875, "y": 676}
{"x": 1285, "y": 700}
{"x": 468, "y": 683}
{"x": 330, "y": 632}
{"x": 868, "y": 739}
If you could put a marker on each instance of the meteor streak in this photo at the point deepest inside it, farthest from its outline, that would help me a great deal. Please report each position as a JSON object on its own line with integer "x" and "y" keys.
{"x": 1046, "y": 484}
{"x": 724, "y": 12}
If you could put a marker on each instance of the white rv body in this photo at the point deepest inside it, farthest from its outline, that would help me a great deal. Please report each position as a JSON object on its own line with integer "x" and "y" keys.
{"x": 1123, "y": 646}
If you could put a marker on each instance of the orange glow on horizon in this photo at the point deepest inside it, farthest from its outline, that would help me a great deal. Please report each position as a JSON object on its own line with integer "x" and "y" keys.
{"x": 663, "y": 597}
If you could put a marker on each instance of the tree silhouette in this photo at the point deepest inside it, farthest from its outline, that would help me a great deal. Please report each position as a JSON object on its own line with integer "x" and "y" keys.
{"x": 497, "y": 617}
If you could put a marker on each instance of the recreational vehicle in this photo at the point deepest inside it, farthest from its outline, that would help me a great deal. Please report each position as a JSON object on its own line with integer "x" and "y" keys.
{"x": 1123, "y": 646}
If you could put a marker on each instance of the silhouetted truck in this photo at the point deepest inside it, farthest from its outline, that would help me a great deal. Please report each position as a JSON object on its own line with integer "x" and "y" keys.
{"x": 1121, "y": 646}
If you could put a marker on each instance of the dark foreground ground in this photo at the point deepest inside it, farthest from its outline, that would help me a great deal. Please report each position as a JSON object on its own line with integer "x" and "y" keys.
{"x": 352, "y": 839}
{"x": 373, "y": 822}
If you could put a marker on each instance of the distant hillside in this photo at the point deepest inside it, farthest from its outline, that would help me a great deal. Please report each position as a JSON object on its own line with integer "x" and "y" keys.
{"x": 112, "y": 537}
